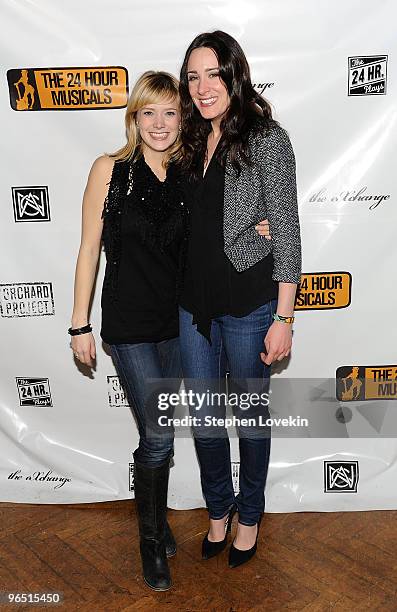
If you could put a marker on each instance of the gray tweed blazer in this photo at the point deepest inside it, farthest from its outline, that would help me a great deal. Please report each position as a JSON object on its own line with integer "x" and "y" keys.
{"x": 267, "y": 189}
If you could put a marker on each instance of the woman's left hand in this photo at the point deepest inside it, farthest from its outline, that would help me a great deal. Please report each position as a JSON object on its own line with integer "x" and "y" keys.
{"x": 263, "y": 229}
{"x": 278, "y": 342}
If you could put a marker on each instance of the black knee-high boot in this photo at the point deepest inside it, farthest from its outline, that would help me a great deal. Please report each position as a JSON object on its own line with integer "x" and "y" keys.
{"x": 151, "y": 487}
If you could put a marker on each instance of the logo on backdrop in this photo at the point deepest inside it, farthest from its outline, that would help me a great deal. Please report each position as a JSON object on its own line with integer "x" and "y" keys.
{"x": 324, "y": 290}
{"x": 26, "y": 300}
{"x": 34, "y": 391}
{"x": 31, "y": 204}
{"x": 131, "y": 472}
{"x": 33, "y": 89}
{"x": 41, "y": 477}
{"x": 236, "y": 476}
{"x": 367, "y": 75}
{"x": 340, "y": 476}
{"x": 352, "y": 198}
{"x": 261, "y": 88}
{"x": 360, "y": 383}
{"x": 116, "y": 395}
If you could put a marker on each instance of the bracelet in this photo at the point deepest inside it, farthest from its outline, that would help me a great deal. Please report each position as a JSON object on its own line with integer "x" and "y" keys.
{"x": 278, "y": 317}
{"x": 80, "y": 330}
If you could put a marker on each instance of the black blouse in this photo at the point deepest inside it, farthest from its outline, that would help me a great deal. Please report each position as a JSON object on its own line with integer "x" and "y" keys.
{"x": 144, "y": 232}
{"x": 212, "y": 286}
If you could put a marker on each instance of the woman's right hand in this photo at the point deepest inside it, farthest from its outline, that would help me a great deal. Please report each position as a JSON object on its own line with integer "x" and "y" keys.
{"x": 263, "y": 229}
{"x": 83, "y": 347}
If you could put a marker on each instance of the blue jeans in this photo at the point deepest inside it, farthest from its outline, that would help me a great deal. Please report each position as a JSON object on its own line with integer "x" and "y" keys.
{"x": 136, "y": 364}
{"x": 241, "y": 340}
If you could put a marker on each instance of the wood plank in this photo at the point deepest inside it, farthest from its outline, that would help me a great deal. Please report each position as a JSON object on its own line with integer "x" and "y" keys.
{"x": 315, "y": 562}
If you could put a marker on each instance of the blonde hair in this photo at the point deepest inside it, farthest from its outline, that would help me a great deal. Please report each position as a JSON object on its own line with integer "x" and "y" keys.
{"x": 152, "y": 87}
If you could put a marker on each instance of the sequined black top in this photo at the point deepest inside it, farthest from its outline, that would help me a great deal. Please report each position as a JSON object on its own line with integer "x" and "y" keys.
{"x": 144, "y": 235}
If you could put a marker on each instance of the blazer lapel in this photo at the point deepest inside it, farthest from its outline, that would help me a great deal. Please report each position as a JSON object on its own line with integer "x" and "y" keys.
{"x": 230, "y": 229}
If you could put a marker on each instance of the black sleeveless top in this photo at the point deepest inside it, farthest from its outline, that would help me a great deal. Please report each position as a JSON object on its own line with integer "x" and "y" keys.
{"x": 212, "y": 286}
{"x": 144, "y": 235}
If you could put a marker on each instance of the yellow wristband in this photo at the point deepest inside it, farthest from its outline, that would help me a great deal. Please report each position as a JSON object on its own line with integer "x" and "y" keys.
{"x": 278, "y": 317}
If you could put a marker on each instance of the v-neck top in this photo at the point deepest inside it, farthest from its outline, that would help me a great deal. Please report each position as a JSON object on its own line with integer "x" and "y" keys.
{"x": 212, "y": 286}
{"x": 144, "y": 230}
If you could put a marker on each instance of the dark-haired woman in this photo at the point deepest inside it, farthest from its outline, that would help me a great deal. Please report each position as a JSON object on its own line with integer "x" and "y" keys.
{"x": 239, "y": 289}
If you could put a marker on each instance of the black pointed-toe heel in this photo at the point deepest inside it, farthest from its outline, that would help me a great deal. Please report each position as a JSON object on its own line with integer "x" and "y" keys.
{"x": 211, "y": 549}
{"x": 238, "y": 557}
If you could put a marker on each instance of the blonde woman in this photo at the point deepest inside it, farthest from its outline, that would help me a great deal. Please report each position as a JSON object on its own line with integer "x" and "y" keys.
{"x": 143, "y": 229}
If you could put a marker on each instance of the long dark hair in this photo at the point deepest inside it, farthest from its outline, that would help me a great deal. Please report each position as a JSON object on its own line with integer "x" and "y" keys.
{"x": 247, "y": 111}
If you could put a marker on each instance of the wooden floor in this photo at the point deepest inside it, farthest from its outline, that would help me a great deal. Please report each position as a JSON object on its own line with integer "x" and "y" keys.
{"x": 305, "y": 561}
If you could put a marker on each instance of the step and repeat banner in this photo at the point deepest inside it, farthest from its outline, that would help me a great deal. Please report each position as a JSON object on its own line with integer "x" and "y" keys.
{"x": 67, "y": 434}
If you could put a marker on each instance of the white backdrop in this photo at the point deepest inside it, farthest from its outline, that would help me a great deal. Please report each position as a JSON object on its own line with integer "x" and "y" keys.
{"x": 64, "y": 435}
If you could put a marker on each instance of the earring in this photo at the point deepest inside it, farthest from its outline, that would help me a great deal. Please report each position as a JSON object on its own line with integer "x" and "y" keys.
{"x": 180, "y": 128}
